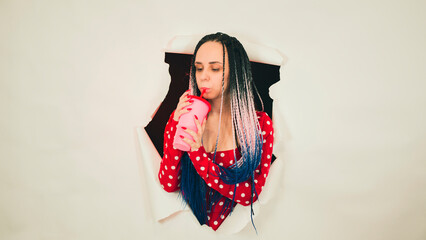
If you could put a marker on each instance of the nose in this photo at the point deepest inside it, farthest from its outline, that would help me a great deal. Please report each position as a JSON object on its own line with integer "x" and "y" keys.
{"x": 203, "y": 74}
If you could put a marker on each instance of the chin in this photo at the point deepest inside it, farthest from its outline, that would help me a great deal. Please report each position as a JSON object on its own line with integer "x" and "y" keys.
{"x": 211, "y": 95}
{"x": 207, "y": 97}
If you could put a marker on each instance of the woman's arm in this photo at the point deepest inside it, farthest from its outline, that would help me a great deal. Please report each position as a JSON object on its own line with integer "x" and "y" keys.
{"x": 207, "y": 169}
{"x": 169, "y": 174}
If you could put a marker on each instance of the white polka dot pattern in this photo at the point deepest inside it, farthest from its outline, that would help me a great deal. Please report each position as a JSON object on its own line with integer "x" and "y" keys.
{"x": 169, "y": 174}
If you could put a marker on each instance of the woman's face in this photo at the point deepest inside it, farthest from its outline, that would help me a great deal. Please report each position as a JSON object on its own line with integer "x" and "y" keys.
{"x": 209, "y": 69}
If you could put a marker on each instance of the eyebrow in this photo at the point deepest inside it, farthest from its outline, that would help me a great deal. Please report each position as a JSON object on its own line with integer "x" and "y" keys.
{"x": 209, "y": 62}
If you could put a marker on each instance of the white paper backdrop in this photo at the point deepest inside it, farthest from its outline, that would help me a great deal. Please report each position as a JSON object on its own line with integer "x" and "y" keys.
{"x": 78, "y": 78}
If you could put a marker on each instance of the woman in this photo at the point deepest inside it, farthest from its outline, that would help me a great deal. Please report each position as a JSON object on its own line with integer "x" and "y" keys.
{"x": 231, "y": 152}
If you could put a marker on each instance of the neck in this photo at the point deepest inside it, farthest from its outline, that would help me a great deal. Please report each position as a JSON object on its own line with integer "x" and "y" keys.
{"x": 215, "y": 107}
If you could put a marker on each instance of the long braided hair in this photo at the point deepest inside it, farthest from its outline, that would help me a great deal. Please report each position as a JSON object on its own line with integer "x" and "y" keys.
{"x": 245, "y": 129}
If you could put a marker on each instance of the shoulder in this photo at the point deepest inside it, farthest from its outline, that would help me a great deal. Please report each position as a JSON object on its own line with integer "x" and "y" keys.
{"x": 264, "y": 120}
{"x": 263, "y": 116}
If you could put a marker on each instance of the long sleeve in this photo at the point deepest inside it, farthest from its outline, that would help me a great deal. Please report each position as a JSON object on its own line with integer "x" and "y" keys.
{"x": 169, "y": 173}
{"x": 206, "y": 168}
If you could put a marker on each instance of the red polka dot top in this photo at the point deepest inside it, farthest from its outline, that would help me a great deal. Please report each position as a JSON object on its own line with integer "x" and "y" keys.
{"x": 169, "y": 174}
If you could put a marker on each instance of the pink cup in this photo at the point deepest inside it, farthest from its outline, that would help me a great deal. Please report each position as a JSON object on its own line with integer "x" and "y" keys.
{"x": 200, "y": 108}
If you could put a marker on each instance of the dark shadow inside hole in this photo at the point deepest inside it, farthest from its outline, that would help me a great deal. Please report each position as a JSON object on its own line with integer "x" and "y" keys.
{"x": 264, "y": 76}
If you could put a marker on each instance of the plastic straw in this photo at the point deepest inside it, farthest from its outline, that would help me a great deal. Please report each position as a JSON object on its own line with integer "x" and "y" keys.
{"x": 202, "y": 93}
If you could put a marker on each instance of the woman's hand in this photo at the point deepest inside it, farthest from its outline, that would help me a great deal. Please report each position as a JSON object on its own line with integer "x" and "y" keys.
{"x": 184, "y": 101}
{"x": 196, "y": 144}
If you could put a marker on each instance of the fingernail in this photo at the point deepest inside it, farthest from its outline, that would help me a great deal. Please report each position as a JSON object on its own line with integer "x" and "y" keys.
{"x": 189, "y": 109}
{"x": 196, "y": 117}
{"x": 190, "y": 101}
{"x": 181, "y": 136}
{"x": 184, "y": 128}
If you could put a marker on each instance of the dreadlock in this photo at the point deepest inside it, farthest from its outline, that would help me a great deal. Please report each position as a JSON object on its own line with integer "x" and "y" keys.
{"x": 245, "y": 129}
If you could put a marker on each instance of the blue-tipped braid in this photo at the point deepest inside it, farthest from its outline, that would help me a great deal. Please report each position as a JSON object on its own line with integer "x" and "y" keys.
{"x": 245, "y": 129}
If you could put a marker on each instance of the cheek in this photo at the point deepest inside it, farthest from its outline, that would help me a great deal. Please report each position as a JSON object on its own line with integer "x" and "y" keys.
{"x": 196, "y": 78}
{"x": 219, "y": 82}
{"x": 227, "y": 76}
{"x": 226, "y": 80}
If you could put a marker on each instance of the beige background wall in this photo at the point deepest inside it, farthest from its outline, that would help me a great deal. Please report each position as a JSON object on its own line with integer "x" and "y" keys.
{"x": 78, "y": 77}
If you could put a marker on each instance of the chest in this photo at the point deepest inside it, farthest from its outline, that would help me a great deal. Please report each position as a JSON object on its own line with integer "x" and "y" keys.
{"x": 226, "y": 138}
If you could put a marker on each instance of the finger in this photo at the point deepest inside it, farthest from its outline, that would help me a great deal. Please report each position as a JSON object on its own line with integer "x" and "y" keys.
{"x": 186, "y": 92}
{"x": 183, "y": 105}
{"x": 179, "y": 106}
{"x": 186, "y": 101}
{"x": 189, "y": 142}
{"x": 183, "y": 99}
{"x": 184, "y": 95}
{"x": 179, "y": 112}
{"x": 184, "y": 110}
{"x": 197, "y": 123}
{"x": 203, "y": 126}
{"x": 193, "y": 134}
{"x": 186, "y": 140}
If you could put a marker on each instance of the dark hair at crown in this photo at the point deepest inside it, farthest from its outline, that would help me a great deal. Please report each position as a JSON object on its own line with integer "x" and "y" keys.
{"x": 241, "y": 66}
